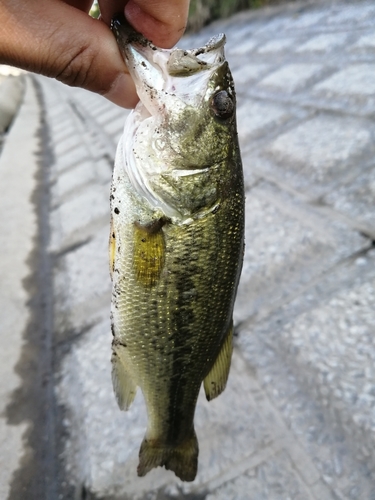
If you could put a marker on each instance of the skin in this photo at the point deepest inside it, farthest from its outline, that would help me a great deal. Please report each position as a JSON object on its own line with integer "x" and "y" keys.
{"x": 58, "y": 39}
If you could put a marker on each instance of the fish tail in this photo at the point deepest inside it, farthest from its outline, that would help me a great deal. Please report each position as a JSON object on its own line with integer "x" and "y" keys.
{"x": 182, "y": 459}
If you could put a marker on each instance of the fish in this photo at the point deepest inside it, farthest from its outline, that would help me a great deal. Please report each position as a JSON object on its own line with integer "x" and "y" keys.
{"x": 176, "y": 241}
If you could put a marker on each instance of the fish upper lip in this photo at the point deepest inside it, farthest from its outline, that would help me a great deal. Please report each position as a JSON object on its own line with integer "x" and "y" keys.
{"x": 125, "y": 33}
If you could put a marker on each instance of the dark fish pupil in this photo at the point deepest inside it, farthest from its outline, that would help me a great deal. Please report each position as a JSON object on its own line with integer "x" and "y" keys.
{"x": 222, "y": 105}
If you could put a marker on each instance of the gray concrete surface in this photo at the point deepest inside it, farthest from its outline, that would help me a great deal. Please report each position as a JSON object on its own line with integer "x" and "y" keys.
{"x": 297, "y": 420}
{"x": 16, "y": 243}
{"x": 11, "y": 94}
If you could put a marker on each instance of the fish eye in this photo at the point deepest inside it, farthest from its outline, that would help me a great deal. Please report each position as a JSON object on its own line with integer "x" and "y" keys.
{"x": 222, "y": 105}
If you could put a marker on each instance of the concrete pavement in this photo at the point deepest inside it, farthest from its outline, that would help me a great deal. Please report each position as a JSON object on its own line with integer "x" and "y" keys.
{"x": 26, "y": 418}
{"x": 297, "y": 419}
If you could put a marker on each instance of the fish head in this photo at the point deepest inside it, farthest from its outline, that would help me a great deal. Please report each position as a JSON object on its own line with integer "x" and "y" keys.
{"x": 178, "y": 139}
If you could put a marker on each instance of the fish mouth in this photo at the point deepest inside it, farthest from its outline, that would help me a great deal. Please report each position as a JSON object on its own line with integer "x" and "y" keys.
{"x": 166, "y": 78}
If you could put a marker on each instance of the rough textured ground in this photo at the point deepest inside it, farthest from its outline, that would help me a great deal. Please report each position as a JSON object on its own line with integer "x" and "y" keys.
{"x": 297, "y": 420}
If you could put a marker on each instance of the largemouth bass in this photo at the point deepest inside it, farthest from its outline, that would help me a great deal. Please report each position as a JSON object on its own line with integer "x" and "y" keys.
{"x": 176, "y": 243}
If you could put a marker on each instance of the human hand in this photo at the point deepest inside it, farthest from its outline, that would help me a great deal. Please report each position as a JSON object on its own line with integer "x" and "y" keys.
{"x": 58, "y": 39}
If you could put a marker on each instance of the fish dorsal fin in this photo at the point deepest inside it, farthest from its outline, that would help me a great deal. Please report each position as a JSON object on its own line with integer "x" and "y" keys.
{"x": 216, "y": 380}
{"x": 123, "y": 385}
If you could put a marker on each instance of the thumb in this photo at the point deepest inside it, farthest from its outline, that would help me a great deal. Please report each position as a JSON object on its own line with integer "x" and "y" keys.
{"x": 55, "y": 39}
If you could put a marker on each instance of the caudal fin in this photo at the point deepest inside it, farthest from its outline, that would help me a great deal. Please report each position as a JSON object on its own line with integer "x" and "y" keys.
{"x": 182, "y": 460}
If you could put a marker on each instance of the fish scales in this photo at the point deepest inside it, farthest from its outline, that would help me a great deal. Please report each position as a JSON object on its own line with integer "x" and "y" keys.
{"x": 176, "y": 252}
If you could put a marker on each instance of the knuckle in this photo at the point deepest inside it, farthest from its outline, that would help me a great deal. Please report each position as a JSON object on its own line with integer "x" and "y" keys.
{"x": 77, "y": 69}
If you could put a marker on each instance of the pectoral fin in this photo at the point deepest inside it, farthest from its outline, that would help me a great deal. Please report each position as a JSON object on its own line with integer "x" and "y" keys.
{"x": 216, "y": 380}
{"x": 123, "y": 385}
{"x": 149, "y": 252}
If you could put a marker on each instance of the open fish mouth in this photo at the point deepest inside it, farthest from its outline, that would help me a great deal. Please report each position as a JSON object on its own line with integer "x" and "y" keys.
{"x": 167, "y": 77}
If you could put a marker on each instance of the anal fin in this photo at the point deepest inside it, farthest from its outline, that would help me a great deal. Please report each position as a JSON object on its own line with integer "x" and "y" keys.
{"x": 216, "y": 380}
{"x": 123, "y": 385}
